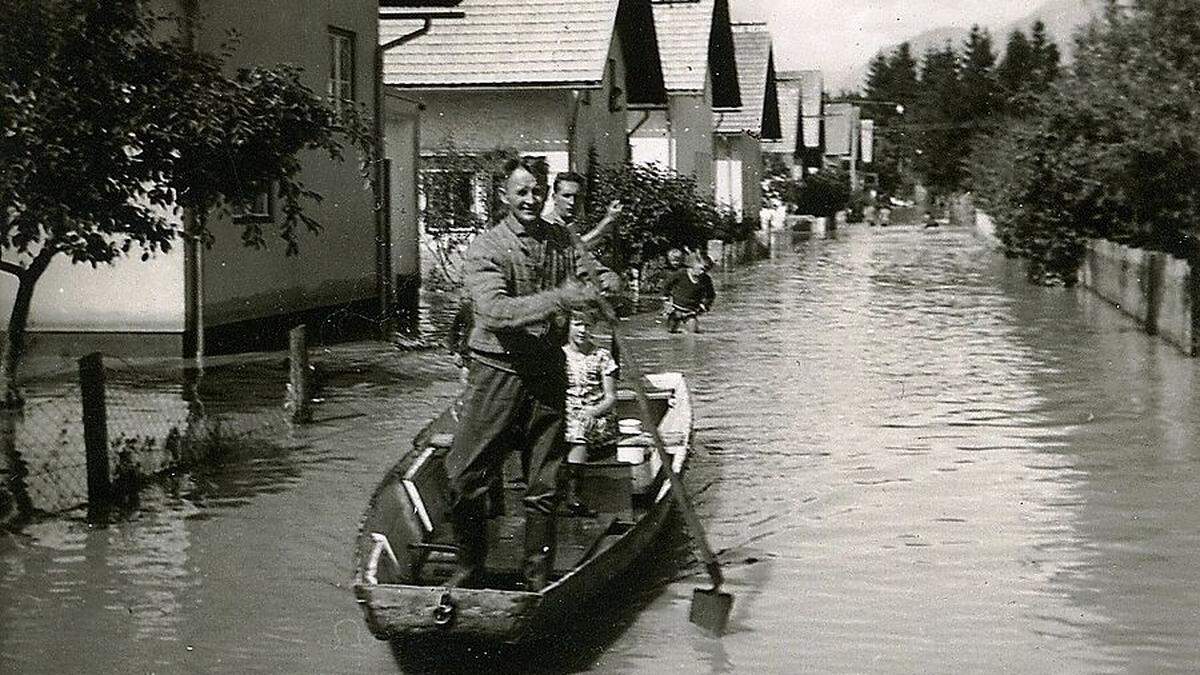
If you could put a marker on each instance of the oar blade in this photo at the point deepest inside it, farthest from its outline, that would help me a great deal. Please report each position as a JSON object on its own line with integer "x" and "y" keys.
{"x": 710, "y": 609}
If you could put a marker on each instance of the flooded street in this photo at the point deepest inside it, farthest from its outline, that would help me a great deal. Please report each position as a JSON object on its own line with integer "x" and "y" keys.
{"x": 913, "y": 461}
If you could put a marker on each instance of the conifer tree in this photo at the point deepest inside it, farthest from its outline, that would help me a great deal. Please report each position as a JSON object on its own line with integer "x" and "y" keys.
{"x": 1044, "y": 57}
{"x": 1012, "y": 75}
{"x": 936, "y": 115}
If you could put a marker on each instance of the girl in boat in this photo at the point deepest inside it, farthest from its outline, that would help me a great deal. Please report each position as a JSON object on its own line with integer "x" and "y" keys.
{"x": 591, "y": 427}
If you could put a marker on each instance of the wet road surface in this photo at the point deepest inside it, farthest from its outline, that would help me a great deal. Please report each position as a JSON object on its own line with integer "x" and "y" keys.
{"x": 912, "y": 460}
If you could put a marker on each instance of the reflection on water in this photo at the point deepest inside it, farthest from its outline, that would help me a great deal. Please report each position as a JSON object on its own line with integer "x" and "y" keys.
{"x": 911, "y": 460}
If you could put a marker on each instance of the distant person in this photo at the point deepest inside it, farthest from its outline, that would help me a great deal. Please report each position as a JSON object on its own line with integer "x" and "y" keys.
{"x": 591, "y": 401}
{"x": 691, "y": 294}
{"x": 674, "y": 263}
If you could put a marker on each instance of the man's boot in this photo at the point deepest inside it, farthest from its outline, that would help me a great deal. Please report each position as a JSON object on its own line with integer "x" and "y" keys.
{"x": 539, "y": 549}
{"x": 470, "y": 537}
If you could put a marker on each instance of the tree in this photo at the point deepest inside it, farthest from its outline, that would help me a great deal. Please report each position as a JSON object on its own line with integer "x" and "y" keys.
{"x": 937, "y": 113}
{"x": 979, "y": 92}
{"x": 1012, "y": 76}
{"x": 903, "y": 84}
{"x": 1044, "y": 57}
{"x": 108, "y": 132}
{"x": 892, "y": 77}
{"x": 878, "y": 77}
{"x": 663, "y": 210}
{"x": 1110, "y": 150}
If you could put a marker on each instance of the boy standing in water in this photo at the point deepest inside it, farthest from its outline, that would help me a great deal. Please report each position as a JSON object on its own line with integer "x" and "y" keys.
{"x": 691, "y": 294}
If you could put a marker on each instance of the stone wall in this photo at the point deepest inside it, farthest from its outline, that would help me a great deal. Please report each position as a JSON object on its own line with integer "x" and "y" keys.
{"x": 1152, "y": 287}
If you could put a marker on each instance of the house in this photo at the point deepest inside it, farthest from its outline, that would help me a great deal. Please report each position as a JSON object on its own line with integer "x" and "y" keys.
{"x": 812, "y": 121}
{"x": 530, "y": 77}
{"x": 787, "y": 150}
{"x": 699, "y": 69}
{"x": 790, "y": 149}
{"x": 523, "y": 76}
{"x": 740, "y": 132}
{"x": 229, "y": 297}
{"x": 843, "y": 132}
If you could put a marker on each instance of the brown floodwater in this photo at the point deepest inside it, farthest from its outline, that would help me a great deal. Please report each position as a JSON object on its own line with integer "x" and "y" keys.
{"x": 910, "y": 459}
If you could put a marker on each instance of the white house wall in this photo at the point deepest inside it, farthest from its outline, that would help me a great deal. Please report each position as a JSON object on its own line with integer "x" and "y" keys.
{"x": 130, "y": 296}
{"x": 338, "y": 266}
{"x": 530, "y": 120}
{"x": 650, "y": 141}
{"x": 680, "y": 138}
{"x": 738, "y": 168}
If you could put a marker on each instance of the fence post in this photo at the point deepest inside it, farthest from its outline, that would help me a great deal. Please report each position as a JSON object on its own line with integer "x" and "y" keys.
{"x": 298, "y": 374}
{"x": 95, "y": 429}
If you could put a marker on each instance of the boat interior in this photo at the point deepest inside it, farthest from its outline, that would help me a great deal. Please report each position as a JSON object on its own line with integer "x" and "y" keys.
{"x": 407, "y": 537}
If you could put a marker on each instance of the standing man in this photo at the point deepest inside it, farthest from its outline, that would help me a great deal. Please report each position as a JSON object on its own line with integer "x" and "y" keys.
{"x": 523, "y": 281}
{"x": 565, "y": 205}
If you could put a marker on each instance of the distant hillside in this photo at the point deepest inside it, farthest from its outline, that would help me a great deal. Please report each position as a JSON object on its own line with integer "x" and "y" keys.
{"x": 1061, "y": 17}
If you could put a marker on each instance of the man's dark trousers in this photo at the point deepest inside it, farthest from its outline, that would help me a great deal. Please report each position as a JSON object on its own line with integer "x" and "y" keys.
{"x": 522, "y": 410}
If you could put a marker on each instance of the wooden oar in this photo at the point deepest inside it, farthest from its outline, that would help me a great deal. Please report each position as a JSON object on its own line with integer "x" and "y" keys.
{"x": 710, "y": 606}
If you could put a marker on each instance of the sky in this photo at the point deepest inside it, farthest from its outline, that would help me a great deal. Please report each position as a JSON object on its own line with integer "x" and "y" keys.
{"x": 850, "y": 32}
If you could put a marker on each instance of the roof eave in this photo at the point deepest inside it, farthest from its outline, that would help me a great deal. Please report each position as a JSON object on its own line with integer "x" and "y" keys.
{"x": 722, "y": 61}
{"x": 771, "y": 127}
{"x": 645, "y": 84}
{"x": 493, "y": 86}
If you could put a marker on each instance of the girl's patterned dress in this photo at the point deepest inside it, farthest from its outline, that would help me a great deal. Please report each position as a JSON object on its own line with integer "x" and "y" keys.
{"x": 585, "y": 388}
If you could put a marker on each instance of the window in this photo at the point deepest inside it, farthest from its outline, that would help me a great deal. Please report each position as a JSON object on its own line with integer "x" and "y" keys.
{"x": 449, "y": 200}
{"x": 341, "y": 68}
{"x": 260, "y": 209}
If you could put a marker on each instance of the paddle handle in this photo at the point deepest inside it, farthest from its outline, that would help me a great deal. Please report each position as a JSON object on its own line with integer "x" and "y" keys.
{"x": 678, "y": 491}
{"x": 682, "y": 499}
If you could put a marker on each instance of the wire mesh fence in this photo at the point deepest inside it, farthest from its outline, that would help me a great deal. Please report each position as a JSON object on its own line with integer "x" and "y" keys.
{"x": 158, "y": 416}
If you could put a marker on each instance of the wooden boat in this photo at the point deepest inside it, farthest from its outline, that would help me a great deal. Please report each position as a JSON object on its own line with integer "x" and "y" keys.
{"x": 404, "y": 553}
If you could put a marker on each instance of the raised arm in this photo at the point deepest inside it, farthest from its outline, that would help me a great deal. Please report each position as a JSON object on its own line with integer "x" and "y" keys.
{"x": 592, "y": 236}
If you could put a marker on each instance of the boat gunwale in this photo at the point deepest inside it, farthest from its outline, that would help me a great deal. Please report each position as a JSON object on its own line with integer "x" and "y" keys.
{"x": 530, "y": 601}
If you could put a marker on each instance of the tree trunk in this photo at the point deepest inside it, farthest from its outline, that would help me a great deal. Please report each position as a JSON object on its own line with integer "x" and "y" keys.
{"x": 14, "y": 338}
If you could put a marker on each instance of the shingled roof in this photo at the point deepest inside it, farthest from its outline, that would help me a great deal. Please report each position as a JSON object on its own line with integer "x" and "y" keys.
{"x": 788, "y": 86}
{"x": 693, "y": 34}
{"x": 528, "y": 43}
{"x": 759, "y": 112}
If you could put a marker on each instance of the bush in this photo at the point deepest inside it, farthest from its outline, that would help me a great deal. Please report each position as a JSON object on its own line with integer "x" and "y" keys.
{"x": 663, "y": 210}
{"x": 819, "y": 194}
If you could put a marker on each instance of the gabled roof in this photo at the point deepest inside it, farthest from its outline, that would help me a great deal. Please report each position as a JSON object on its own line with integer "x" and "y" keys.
{"x": 693, "y": 34}
{"x": 528, "y": 43}
{"x": 788, "y": 84}
{"x": 759, "y": 112}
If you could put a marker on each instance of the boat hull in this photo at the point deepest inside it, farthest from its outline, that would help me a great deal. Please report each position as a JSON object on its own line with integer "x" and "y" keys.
{"x": 403, "y": 611}
{"x": 398, "y": 607}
